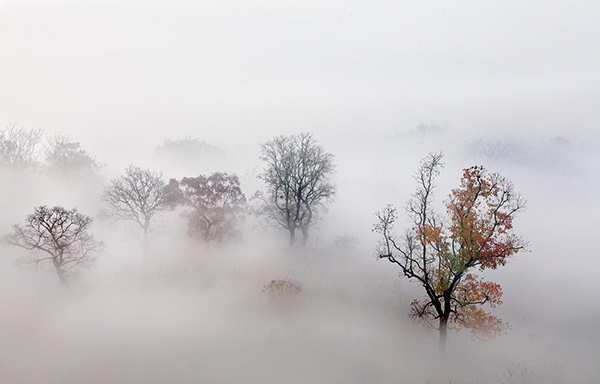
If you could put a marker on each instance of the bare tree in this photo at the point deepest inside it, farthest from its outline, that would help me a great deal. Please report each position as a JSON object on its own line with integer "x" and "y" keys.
{"x": 64, "y": 156}
{"x": 136, "y": 196}
{"x": 298, "y": 182}
{"x": 61, "y": 236}
{"x": 514, "y": 372}
{"x": 441, "y": 255}
{"x": 17, "y": 146}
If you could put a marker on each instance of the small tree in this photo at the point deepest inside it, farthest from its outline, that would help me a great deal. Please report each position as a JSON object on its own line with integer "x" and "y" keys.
{"x": 442, "y": 255}
{"x": 217, "y": 201}
{"x": 57, "y": 235}
{"x": 298, "y": 182}
{"x": 17, "y": 146}
{"x": 282, "y": 289}
{"x": 136, "y": 196}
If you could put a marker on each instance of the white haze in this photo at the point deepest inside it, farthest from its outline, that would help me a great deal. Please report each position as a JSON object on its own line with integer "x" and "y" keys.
{"x": 513, "y": 86}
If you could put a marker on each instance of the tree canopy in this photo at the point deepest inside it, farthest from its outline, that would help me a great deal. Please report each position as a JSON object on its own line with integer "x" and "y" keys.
{"x": 57, "y": 235}
{"x": 298, "y": 178}
{"x": 441, "y": 254}
{"x": 136, "y": 196}
{"x": 217, "y": 203}
{"x": 64, "y": 156}
{"x": 18, "y": 146}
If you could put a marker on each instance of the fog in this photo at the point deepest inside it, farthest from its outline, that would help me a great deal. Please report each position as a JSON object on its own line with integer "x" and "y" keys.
{"x": 513, "y": 87}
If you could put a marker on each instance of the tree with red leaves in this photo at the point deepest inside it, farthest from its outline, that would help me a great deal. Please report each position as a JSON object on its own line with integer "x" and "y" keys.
{"x": 441, "y": 255}
{"x": 217, "y": 201}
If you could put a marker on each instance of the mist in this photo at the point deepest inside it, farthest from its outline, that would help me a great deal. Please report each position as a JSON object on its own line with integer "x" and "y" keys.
{"x": 513, "y": 87}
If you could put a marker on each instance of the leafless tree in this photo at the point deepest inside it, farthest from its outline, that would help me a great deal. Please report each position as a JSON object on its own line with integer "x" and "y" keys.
{"x": 60, "y": 236}
{"x": 135, "y": 196}
{"x": 298, "y": 182}
{"x": 514, "y": 372}
{"x": 17, "y": 146}
{"x": 497, "y": 150}
{"x": 64, "y": 156}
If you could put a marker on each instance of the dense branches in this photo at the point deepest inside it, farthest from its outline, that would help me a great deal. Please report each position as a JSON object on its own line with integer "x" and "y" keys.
{"x": 17, "y": 146}
{"x": 298, "y": 182}
{"x": 61, "y": 236}
{"x": 136, "y": 196}
{"x": 66, "y": 157}
{"x": 217, "y": 204}
{"x": 441, "y": 255}
{"x": 60, "y": 155}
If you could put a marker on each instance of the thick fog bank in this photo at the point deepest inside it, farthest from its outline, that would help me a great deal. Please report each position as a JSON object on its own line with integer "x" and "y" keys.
{"x": 257, "y": 311}
{"x": 208, "y": 320}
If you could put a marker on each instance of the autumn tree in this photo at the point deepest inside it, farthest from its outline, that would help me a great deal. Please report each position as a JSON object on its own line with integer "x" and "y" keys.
{"x": 59, "y": 236}
{"x": 136, "y": 196}
{"x": 443, "y": 254}
{"x": 298, "y": 179}
{"x": 217, "y": 203}
{"x": 18, "y": 146}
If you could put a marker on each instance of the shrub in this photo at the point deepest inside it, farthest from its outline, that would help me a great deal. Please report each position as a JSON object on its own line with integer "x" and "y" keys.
{"x": 282, "y": 289}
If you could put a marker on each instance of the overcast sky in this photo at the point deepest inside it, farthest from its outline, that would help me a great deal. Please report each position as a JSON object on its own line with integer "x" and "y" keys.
{"x": 232, "y": 71}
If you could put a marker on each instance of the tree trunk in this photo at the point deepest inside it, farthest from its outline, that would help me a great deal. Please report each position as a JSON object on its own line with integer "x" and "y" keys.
{"x": 304, "y": 235}
{"x": 145, "y": 244}
{"x": 443, "y": 332}
{"x": 61, "y": 276}
{"x": 292, "y": 236}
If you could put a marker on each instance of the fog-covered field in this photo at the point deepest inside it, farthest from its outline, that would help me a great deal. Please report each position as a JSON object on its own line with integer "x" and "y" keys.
{"x": 513, "y": 87}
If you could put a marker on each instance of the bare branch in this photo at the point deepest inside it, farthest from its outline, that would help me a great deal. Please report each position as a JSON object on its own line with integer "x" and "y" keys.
{"x": 297, "y": 176}
{"x": 62, "y": 234}
{"x": 136, "y": 196}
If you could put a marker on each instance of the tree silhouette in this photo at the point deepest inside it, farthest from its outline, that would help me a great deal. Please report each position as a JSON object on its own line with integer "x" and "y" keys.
{"x": 65, "y": 157}
{"x": 57, "y": 235}
{"x": 18, "y": 146}
{"x": 136, "y": 196}
{"x": 298, "y": 179}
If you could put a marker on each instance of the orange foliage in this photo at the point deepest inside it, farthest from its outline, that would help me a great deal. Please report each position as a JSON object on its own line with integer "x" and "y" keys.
{"x": 479, "y": 235}
{"x": 442, "y": 254}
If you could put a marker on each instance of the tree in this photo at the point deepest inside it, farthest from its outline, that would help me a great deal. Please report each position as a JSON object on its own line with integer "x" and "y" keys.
{"x": 66, "y": 157}
{"x": 186, "y": 155}
{"x": 136, "y": 196}
{"x": 17, "y": 146}
{"x": 61, "y": 236}
{"x": 441, "y": 255}
{"x": 217, "y": 201}
{"x": 298, "y": 182}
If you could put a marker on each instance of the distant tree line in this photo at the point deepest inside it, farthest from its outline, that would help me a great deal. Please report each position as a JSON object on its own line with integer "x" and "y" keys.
{"x": 60, "y": 155}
